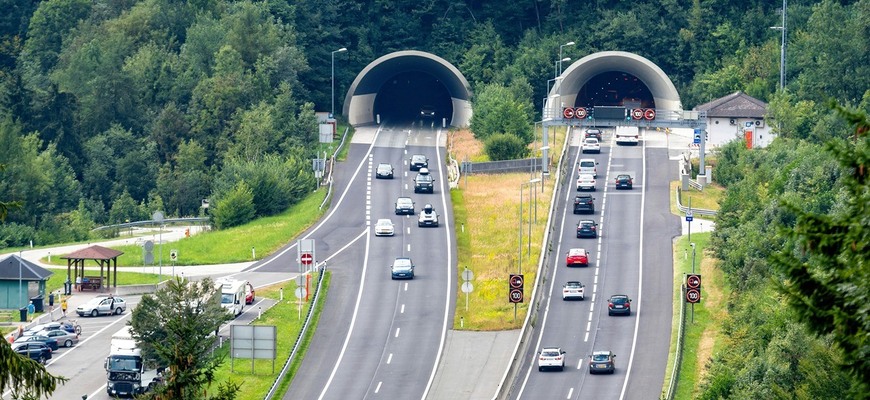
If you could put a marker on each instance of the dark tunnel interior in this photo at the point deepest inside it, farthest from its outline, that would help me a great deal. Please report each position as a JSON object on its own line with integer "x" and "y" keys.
{"x": 403, "y": 96}
{"x": 615, "y": 88}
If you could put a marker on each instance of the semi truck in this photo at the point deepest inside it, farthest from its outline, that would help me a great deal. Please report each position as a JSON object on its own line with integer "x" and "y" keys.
{"x": 127, "y": 372}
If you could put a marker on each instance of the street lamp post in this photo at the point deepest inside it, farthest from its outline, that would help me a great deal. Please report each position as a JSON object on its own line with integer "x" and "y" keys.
{"x": 332, "y": 112}
{"x": 560, "y": 54}
{"x": 520, "y": 252}
{"x": 559, "y": 81}
{"x": 782, "y": 45}
{"x": 693, "y": 257}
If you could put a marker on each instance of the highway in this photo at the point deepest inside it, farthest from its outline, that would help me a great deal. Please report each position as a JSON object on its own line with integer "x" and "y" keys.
{"x": 631, "y": 256}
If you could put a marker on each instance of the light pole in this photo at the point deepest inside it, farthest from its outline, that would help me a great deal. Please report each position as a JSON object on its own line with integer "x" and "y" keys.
{"x": 332, "y": 112}
{"x": 693, "y": 257}
{"x": 559, "y": 81}
{"x": 560, "y": 54}
{"x": 520, "y": 252}
{"x": 782, "y": 46}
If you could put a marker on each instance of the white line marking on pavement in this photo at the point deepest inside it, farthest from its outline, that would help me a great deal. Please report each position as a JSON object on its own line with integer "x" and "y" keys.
{"x": 379, "y": 386}
{"x": 403, "y": 309}
{"x": 397, "y": 331}
{"x": 390, "y": 358}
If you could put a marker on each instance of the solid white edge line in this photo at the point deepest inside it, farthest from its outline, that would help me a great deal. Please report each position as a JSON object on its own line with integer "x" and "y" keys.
{"x": 450, "y": 288}
{"x": 639, "y": 281}
{"x": 362, "y": 285}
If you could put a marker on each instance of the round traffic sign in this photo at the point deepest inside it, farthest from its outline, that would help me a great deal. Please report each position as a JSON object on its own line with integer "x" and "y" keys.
{"x": 301, "y": 292}
{"x": 580, "y": 112}
{"x": 467, "y": 287}
{"x": 306, "y": 258}
{"x": 149, "y": 245}
{"x": 637, "y": 113}
{"x": 516, "y": 296}
{"x": 467, "y": 275}
{"x": 516, "y": 281}
{"x": 693, "y": 281}
{"x": 649, "y": 114}
{"x": 693, "y": 296}
{"x": 568, "y": 112}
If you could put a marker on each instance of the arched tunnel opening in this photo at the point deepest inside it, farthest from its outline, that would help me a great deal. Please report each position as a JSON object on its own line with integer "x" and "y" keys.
{"x": 410, "y": 96}
{"x": 614, "y": 88}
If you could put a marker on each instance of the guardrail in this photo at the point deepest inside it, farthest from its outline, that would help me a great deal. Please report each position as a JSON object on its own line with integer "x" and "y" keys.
{"x": 699, "y": 211}
{"x": 166, "y": 221}
{"x": 678, "y": 356}
{"x": 305, "y": 326}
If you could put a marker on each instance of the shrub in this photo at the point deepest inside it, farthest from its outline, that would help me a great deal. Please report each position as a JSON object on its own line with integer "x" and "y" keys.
{"x": 505, "y": 146}
{"x": 234, "y": 209}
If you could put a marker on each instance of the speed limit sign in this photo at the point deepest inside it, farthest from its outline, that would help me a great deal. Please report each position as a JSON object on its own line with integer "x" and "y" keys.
{"x": 515, "y": 288}
{"x": 516, "y": 295}
{"x": 693, "y": 296}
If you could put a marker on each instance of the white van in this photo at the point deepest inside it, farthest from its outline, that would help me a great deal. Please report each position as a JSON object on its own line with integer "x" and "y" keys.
{"x": 588, "y": 166}
{"x": 627, "y": 135}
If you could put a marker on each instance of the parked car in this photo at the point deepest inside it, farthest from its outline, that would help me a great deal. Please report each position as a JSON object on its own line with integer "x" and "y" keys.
{"x": 624, "y": 181}
{"x": 404, "y": 206}
{"x": 577, "y": 258}
{"x": 590, "y": 145}
{"x": 428, "y": 216}
{"x": 619, "y": 304}
{"x": 602, "y": 361}
{"x": 584, "y": 204}
{"x": 418, "y": 161}
{"x": 402, "y": 268}
{"x": 38, "y": 352}
{"x": 585, "y": 182}
{"x": 573, "y": 290}
{"x": 384, "y": 171}
{"x": 65, "y": 326}
{"x": 62, "y": 337}
{"x": 384, "y": 227}
{"x": 593, "y": 132}
{"x": 551, "y": 357}
{"x": 587, "y": 228}
{"x": 588, "y": 166}
{"x": 38, "y": 338}
{"x": 102, "y": 305}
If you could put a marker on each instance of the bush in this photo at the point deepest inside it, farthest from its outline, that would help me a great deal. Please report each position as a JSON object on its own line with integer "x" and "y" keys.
{"x": 234, "y": 209}
{"x": 504, "y": 146}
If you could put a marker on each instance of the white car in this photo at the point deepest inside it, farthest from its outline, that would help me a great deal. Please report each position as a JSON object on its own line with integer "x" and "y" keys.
{"x": 102, "y": 305}
{"x": 590, "y": 145}
{"x": 588, "y": 166}
{"x": 573, "y": 290}
{"x": 428, "y": 217}
{"x": 551, "y": 357}
{"x": 384, "y": 227}
{"x": 585, "y": 182}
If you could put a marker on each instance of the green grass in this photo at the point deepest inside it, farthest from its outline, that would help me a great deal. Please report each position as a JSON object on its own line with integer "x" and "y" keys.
{"x": 707, "y": 199}
{"x": 285, "y": 316}
{"x": 264, "y": 235}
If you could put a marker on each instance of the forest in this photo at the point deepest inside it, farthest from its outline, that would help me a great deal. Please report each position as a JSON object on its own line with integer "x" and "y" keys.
{"x": 111, "y": 109}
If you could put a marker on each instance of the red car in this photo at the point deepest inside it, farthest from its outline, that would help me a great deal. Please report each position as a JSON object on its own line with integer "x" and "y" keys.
{"x": 249, "y": 293}
{"x": 577, "y": 258}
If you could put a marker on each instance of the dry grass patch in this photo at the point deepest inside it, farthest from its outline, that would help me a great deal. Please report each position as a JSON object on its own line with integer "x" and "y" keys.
{"x": 714, "y": 301}
{"x": 464, "y": 146}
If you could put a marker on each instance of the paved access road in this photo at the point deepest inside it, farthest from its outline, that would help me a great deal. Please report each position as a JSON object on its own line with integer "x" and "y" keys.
{"x": 631, "y": 256}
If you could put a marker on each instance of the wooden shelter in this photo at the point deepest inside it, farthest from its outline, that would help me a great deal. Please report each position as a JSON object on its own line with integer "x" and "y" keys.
{"x": 105, "y": 257}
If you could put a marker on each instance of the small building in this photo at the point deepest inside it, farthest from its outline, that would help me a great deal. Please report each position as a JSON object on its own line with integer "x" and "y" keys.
{"x": 737, "y": 116}
{"x": 20, "y": 280}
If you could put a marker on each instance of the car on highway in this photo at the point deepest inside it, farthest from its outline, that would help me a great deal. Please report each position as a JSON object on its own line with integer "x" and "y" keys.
{"x": 619, "y": 304}
{"x": 384, "y": 227}
{"x": 551, "y": 357}
{"x": 602, "y": 362}
{"x": 427, "y": 111}
{"x": 588, "y": 166}
{"x": 38, "y": 352}
{"x": 384, "y": 171}
{"x": 585, "y": 182}
{"x": 592, "y": 132}
{"x": 423, "y": 182}
{"x": 577, "y": 258}
{"x": 428, "y": 217}
{"x": 587, "y": 228}
{"x": 590, "y": 145}
{"x": 418, "y": 161}
{"x": 38, "y": 338}
{"x": 573, "y": 290}
{"x": 62, "y": 337}
{"x": 402, "y": 268}
{"x": 404, "y": 206}
{"x": 624, "y": 181}
{"x": 102, "y": 305}
{"x": 584, "y": 204}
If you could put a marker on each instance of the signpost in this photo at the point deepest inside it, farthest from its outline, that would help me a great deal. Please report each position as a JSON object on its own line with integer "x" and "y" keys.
{"x": 515, "y": 291}
{"x": 467, "y": 286}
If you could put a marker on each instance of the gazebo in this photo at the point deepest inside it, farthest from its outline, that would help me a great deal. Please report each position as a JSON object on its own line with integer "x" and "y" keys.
{"x": 105, "y": 257}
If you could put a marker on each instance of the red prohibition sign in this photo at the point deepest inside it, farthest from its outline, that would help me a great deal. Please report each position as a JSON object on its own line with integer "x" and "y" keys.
{"x": 649, "y": 114}
{"x": 580, "y": 112}
{"x": 516, "y": 296}
{"x": 516, "y": 281}
{"x": 693, "y": 296}
{"x": 637, "y": 113}
{"x": 568, "y": 112}
{"x": 693, "y": 281}
{"x": 306, "y": 258}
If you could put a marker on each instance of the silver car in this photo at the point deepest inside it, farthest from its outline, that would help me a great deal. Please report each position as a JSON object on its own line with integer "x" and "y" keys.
{"x": 384, "y": 227}
{"x": 64, "y": 338}
{"x": 102, "y": 305}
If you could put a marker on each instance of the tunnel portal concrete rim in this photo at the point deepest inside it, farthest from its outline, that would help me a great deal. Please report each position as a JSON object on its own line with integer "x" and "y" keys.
{"x": 369, "y": 81}
{"x": 580, "y": 72}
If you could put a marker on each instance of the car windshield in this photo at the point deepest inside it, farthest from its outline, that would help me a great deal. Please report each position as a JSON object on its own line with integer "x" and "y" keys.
{"x": 384, "y": 167}
{"x": 592, "y": 141}
{"x": 572, "y": 284}
{"x": 227, "y": 298}
{"x": 618, "y": 300}
{"x": 404, "y": 202}
{"x": 600, "y": 357}
{"x": 424, "y": 178}
{"x": 586, "y": 224}
{"x": 384, "y": 222}
{"x": 402, "y": 263}
{"x": 587, "y": 164}
{"x": 120, "y": 363}
{"x": 550, "y": 353}
{"x": 418, "y": 159}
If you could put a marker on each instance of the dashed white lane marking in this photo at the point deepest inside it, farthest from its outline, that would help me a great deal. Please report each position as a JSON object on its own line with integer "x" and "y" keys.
{"x": 571, "y": 391}
{"x": 409, "y": 247}
{"x": 406, "y": 286}
{"x": 390, "y": 358}
{"x": 403, "y": 309}
{"x": 397, "y": 331}
{"x": 379, "y": 387}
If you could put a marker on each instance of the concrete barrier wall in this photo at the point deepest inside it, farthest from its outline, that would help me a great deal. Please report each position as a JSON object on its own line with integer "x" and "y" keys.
{"x": 526, "y": 164}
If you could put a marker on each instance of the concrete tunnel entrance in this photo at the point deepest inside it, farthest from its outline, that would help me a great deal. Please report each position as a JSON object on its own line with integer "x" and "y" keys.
{"x": 399, "y": 85}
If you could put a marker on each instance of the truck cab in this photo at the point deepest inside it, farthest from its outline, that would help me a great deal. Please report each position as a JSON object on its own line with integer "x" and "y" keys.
{"x": 126, "y": 370}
